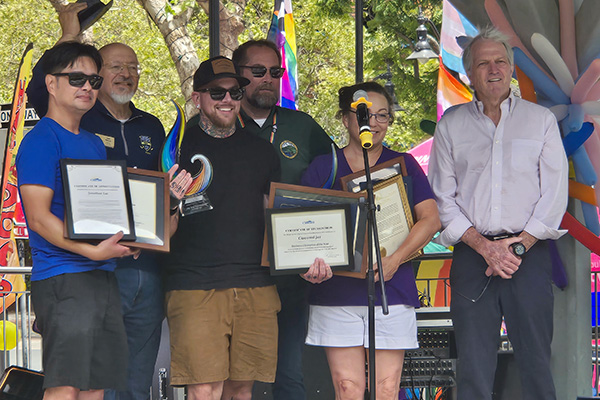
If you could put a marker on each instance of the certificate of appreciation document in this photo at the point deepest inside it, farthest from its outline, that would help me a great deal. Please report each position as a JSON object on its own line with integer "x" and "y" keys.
{"x": 97, "y": 199}
{"x": 394, "y": 217}
{"x": 150, "y": 204}
{"x": 299, "y": 235}
{"x": 143, "y": 200}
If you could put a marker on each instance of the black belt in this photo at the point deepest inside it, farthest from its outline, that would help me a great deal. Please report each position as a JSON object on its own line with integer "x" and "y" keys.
{"x": 501, "y": 236}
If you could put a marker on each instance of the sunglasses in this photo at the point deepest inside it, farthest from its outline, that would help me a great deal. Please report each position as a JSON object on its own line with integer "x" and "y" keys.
{"x": 260, "y": 71}
{"x": 218, "y": 93}
{"x": 78, "y": 79}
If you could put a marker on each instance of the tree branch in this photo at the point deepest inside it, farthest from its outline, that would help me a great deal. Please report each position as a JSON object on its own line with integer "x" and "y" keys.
{"x": 181, "y": 48}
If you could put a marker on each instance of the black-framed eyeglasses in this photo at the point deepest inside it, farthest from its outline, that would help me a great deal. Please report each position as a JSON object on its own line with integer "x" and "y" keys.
{"x": 258, "y": 71}
{"x": 382, "y": 118}
{"x": 78, "y": 79}
{"x": 218, "y": 93}
{"x": 133, "y": 69}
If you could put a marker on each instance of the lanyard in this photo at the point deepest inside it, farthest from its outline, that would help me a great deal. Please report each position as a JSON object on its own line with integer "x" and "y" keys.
{"x": 274, "y": 129}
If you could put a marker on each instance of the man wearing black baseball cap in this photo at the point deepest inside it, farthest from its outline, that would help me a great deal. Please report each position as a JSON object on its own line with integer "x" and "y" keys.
{"x": 221, "y": 304}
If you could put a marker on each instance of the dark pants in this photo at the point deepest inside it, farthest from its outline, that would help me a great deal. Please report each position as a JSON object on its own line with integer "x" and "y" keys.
{"x": 83, "y": 338}
{"x": 525, "y": 301}
{"x": 142, "y": 306}
{"x": 292, "y": 320}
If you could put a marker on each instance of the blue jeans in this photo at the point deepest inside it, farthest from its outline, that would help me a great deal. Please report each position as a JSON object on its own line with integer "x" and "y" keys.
{"x": 142, "y": 305}
{"x": 292, "y": 320}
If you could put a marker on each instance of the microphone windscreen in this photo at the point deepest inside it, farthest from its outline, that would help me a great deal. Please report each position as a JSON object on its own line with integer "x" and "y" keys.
{"x": 358, "y": 94}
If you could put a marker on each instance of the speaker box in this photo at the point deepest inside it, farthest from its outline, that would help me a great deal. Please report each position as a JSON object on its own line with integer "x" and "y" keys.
{"x": 21, "y": 384}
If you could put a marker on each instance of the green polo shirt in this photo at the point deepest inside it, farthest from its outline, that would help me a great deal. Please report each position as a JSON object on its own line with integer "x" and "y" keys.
{"x": 296, "y": 136}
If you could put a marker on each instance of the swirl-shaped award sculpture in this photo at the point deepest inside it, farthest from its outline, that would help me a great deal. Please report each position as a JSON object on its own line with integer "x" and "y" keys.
{"x": 195, "y": 199}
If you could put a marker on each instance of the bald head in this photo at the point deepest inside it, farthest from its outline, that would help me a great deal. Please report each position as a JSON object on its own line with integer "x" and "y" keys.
{"x": 107, "y": 49}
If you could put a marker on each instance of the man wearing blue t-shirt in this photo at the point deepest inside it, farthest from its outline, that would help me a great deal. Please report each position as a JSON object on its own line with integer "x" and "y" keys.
{"x": 74, "y": 291}
{"x": 135, "y": 136}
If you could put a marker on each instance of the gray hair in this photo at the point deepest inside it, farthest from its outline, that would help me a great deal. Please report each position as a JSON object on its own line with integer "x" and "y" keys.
{"x": 487, "y": 33}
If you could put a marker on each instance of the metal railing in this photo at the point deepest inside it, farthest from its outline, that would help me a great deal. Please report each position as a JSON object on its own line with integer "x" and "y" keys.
{"x": 19, "y": 345}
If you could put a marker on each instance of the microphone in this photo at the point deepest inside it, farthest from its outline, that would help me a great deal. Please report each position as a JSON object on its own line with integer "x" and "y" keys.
{"x": 362, "y": 104}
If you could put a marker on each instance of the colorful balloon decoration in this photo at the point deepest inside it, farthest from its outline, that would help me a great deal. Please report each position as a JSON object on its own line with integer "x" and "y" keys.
{"x": 557, "y": 64}
{"x": 9, "y": 335}
{"x": 565, "y": 80}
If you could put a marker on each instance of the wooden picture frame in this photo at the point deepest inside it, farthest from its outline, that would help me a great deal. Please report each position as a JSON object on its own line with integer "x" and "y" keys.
{"x": 283, "y": 195}
{"x": 381, "y": 172}
{"x": 394, "y": 216}
{"x": 150, "y": 197}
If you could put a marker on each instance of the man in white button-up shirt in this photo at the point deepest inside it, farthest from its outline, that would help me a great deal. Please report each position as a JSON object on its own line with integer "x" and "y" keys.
{"x": 499, "y": 173}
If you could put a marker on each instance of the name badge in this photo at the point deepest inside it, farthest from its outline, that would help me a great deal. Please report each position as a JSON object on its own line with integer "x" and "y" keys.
{"x": 108, "y": 141}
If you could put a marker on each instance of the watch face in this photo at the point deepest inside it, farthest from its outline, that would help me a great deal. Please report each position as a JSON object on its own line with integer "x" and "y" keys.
{"x": 518, "y": 249}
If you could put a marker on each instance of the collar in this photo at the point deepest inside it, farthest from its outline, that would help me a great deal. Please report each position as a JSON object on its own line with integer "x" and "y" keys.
{"x": 244, "y": 118}
{"x": 508, "y": 103}
{"x": 135, "y": 112}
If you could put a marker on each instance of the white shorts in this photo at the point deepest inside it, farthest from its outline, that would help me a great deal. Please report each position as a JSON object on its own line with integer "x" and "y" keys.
{"x": 336, "y": 326}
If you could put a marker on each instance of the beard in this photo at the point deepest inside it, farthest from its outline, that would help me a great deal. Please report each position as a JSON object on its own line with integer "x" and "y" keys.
{"x": 123, "y": 98}
{"x": 222, "y": 123}
{"x": 210, "y": 118}
{"x": 264, "y": 100}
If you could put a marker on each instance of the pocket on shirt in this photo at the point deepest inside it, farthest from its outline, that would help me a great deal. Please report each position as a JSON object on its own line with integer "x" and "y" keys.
{"x": 525, "y": 154}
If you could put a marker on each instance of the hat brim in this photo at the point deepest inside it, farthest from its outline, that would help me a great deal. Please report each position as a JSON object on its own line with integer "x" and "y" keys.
{"x": 93, "y": 13}
{"x": 241, "y": 80}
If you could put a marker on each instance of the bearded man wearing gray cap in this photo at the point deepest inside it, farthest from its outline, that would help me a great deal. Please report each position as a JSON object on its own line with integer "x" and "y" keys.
{"x": 221, "y": 304}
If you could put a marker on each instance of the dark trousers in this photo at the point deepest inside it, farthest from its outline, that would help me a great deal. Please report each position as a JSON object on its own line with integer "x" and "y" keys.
{"x": 142, "y": 306}
{"x": 526, "y": 302}
{"x": 292, "y": 320}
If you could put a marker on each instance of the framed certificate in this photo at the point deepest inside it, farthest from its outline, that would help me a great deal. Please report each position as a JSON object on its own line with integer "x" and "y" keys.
{"x": 392, "y": 189}
{"x": 394, "y": 216}
{"x": 150, "y": 203}
{"x": 355, "y": 182}
{"x": 97, "y": 199}
{"x": 286, "y": 196}
{"x": 299, "y": 235}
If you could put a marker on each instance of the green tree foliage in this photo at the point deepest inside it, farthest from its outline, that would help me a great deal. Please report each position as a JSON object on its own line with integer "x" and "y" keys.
{"x": 326, "y": 59}
{"x": 325, "y": 40}
{"x": 389, "y": 38}
{"x": 36, "y": 21}
{"x": 22, "y": 22}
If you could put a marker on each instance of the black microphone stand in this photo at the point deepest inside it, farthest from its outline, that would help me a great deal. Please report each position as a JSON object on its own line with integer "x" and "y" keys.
{"x": 372, "y": 240}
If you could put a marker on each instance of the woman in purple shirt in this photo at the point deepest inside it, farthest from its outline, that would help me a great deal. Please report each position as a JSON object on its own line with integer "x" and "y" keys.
{"x": 338, "y": 305}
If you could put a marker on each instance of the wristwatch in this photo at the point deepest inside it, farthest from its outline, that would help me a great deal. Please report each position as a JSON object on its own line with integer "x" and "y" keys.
{"x": 518, "y": 249}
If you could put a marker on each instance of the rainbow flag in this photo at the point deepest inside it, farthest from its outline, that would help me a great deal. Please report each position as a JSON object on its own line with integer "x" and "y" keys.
{"x": 455, "y": 30}
{"x": 283, "y": 34}
{"x": 10, "y": 199}
{"x": 450, "y": 91}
